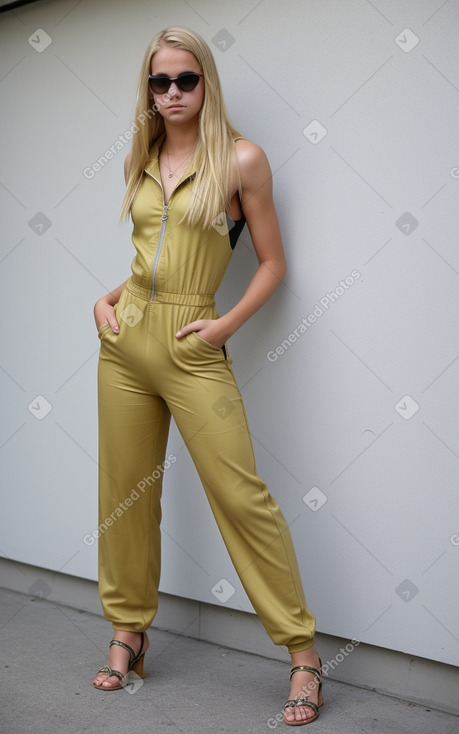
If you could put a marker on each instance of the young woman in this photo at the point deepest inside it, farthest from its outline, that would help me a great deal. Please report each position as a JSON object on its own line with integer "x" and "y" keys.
{"x": 192, "y": 183}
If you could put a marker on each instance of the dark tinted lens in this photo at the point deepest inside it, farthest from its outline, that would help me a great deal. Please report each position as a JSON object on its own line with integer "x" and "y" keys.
{"x": 159, "y": 84}
{"x": 188, "y": 81}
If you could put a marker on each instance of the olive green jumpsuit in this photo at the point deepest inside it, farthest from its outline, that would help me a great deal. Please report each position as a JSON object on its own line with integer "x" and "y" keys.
{"x": 146, "y": 374}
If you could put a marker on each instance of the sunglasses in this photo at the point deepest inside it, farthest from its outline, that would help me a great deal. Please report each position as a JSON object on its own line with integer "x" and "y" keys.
{"x": 186, "y": 82}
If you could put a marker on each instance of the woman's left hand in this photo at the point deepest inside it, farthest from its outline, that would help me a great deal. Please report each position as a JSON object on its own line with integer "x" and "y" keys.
{"x": 211, "y": 330}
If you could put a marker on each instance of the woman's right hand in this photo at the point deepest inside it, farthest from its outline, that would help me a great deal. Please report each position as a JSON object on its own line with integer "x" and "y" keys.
{"x": 104, "y": 313}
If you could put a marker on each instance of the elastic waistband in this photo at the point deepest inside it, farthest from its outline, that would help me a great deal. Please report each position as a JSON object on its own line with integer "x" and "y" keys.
{"x": 179, "y": 299}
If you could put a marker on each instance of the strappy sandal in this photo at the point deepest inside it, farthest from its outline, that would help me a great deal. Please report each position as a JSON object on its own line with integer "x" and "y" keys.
{"x": 135, "y": 664}
{"x": 304, "y": 701}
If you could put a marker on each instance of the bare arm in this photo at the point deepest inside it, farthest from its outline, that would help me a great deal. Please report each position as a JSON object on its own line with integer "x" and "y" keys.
{"x": 258, "y": 207}
{"x": 104, "y": 312}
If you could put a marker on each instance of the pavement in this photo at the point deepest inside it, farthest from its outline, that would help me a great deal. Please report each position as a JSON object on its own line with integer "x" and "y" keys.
{"x": 50, "y": 654}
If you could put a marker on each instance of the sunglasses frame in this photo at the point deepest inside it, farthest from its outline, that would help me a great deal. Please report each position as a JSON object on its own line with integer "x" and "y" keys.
{"x": 152, "y": 78}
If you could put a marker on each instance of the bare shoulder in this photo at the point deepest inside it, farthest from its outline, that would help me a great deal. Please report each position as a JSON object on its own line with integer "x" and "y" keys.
{"x": 127, "y": 165}
{"x": 250, "y": 155}
{"x": 254, "y": 168}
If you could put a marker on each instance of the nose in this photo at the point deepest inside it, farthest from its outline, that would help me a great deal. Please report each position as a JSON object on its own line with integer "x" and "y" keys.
{"x": 173, "y": 90}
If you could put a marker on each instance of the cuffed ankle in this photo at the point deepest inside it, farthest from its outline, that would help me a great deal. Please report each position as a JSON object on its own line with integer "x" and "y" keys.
{"x": 300, "y": 646}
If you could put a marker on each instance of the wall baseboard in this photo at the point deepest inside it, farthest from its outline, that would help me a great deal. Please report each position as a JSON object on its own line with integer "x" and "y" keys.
{"x": 389, "y": 672}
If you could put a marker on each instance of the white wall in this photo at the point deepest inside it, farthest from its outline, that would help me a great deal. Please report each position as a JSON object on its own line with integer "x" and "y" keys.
{"x": 369, "y": 488}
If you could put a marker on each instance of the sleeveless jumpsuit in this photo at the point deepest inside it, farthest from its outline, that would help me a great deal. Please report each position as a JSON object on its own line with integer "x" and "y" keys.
{"x": 145, "y": 375}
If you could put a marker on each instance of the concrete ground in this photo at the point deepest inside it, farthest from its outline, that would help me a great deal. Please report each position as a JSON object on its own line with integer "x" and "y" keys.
{"x": 50, "y": 654}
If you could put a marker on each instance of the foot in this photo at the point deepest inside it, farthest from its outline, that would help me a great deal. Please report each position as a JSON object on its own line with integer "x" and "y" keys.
{"x": 118, "y": 658}
{"x": 303, "y": 685}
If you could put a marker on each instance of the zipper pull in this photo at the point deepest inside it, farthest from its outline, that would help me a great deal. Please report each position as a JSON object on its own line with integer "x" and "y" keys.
{"x": 164, "y": 217}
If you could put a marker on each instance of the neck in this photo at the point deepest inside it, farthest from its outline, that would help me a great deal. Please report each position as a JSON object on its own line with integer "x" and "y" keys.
{"x": 180, "y": 141}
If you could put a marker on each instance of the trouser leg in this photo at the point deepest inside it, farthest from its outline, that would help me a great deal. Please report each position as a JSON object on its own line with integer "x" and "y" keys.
{"x": 211, "y": 419}
{"x": 133, "y": 431}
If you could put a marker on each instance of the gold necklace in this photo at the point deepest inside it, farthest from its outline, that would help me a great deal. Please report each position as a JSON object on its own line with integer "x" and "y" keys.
{"x": 172, "y": 172}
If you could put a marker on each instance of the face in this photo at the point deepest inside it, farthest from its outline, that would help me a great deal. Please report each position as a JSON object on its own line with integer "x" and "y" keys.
{"x": 175, "y": 106}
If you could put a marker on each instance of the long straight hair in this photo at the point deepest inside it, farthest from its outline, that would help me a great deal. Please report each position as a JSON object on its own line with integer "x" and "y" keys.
{"x": 215, "y": 154}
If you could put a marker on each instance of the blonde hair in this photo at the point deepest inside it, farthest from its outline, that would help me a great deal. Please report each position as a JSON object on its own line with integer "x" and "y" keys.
{"x": 215, "y": 153}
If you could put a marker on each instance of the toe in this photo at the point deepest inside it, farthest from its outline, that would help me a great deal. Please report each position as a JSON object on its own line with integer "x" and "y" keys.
{"x": 112, "y": 681}
{"x": 103, "y": 680}
{"x": 304, "y": 713}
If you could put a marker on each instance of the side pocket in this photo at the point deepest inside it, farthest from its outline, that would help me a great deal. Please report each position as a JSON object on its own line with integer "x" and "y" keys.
{"x": 204, "y": 349}
{"x": 103, "y": 329}
{"x": 208, "y": 344}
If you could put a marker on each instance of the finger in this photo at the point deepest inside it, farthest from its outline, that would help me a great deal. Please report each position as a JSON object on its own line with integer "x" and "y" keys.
{"x": 114, "y": 325}
{"x": 187, "y": 329}
{"x": 112, "y": 322}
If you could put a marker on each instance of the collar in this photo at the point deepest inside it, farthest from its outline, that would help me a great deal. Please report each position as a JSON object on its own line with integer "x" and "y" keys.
{"x": 152, "y": 165}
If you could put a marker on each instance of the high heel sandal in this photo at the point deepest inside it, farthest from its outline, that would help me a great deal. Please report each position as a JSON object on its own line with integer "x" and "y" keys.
{"x": 135, "y": 663}
{"x": 304, "y": 701}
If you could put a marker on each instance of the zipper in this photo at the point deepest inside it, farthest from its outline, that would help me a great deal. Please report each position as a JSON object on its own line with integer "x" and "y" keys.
{"x": 158, "y": 251}
{"x": 162, "y": 230}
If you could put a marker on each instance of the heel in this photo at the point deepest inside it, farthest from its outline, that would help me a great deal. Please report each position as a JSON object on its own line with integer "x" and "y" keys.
{"x": 137, "y": 666}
